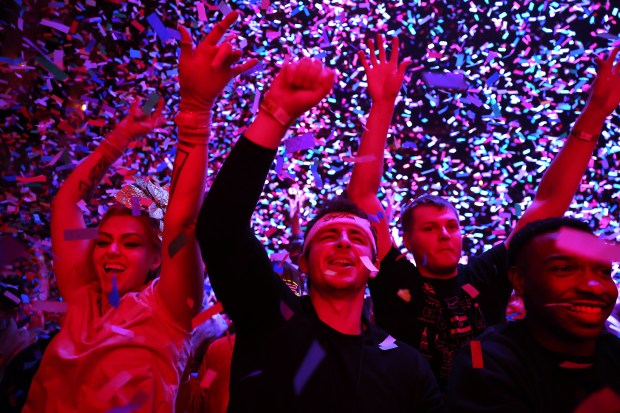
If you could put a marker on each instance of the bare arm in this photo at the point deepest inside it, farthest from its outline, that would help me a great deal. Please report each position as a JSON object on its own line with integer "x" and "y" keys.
{"x": 204, "y": 71}
{"x": 385, "y": 79}
{"x": 72, "y": 258}
{"x": 560, "y": 182}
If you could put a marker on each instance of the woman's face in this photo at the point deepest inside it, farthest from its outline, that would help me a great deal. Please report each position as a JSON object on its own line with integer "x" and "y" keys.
{"x": 123, "y": 250}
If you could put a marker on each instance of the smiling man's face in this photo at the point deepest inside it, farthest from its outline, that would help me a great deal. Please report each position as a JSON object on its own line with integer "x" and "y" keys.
{"x": 567, "y": 296}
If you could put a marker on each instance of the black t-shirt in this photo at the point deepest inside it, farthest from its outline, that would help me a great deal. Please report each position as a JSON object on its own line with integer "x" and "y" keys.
{"x": 285, "y": 358}
{"x": 438, "y": 316}
{"x": 520, "y": 375}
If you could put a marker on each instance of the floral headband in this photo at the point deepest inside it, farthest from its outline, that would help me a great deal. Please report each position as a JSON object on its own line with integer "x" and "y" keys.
{"x": 145, "y": 195}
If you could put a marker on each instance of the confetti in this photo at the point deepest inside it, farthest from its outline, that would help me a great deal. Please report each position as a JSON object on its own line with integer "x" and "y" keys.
{"x": 285, "y": 310}
{"x": 586, "y": 245}
{"x": 388, "y": 344}
{"x": 484, "y": 148}
{"x": 311, "y": 362}
{"x": 369, "y": 264}
{"x": 476, "y": 355}
{"x": 404, "y": 294}
{"x": 80, "y": 234}
{"x": 207, "y": 314}
{"x": 208, "y": 378}
{"x": 471, "y": 290}
{"x": 113, "y": 296}
{"x": 445, "y": 80}
{"x": 150, "y": 103}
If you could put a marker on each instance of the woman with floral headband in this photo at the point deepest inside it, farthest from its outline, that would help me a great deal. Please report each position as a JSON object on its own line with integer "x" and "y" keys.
{"x": 124, "y": 341}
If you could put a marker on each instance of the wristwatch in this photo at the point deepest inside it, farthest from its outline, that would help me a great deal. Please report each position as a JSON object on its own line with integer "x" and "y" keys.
{"x": 582, "y": 135}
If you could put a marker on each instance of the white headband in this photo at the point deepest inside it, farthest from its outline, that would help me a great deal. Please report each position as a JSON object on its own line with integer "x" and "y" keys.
{"x": 341, "y": 218}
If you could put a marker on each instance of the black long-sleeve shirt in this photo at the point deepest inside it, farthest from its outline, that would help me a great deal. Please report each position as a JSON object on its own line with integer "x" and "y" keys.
{"x": 285, "y": 358}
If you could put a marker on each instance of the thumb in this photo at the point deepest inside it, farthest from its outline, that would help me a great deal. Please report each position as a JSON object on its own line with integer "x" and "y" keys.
{"x": 326, "y": 80}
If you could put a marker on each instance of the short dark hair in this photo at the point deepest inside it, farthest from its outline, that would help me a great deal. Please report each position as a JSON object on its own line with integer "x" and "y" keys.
{"x": 406, "y": 214}
{"x": 338, "y": 204}
{"x": 544, "y": 226}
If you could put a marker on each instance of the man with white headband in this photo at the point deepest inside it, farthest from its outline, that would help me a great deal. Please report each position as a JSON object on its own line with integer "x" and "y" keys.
{"x": 314, "y": 353}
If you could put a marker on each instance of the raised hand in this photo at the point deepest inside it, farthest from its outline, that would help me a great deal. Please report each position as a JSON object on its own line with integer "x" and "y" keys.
{"x": 605, "y": 94}
{"x": 300, "y": 85}
{"x": 137, "y": 123}
{"x": 385, "y": 77}
{"x": 204, "y": 71}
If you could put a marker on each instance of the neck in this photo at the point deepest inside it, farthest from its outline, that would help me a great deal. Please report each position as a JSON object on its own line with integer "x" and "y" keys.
{"x": 428, "y": 273}
{"x": 550, "y": 341}
{"x": 342, "y": 313}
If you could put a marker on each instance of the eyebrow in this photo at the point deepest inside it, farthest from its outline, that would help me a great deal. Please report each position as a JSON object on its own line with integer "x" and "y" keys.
{"x": 123, "y": 236}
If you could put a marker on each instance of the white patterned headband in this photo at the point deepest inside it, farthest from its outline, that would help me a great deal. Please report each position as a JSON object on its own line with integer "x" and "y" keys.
{"x": 341, "y": 218}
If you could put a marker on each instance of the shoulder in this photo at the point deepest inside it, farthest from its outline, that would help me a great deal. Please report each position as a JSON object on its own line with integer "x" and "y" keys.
{"x": 396, "y": 262}
{"x": 499, "y": 345}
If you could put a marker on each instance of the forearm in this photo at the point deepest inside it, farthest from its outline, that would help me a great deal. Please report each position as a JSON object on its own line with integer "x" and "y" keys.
{"x": 561, "y": 180}
{"x": 229, "y": 205}
{"x": 366, "y": 177}
{"x": 86, "y": 177}
{"x": 187, "y": 186}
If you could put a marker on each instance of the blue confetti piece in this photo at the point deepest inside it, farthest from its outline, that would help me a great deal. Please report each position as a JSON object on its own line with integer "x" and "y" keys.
{"x": 113, "y": 296}
{"x": 492, "y": 79}
{"x": 150, "y": 103}
{"x": 311, "y": 362}
{"x": 135, "y": 206}
{"x": 224, "y": 8}
{"x": 279, "y": 164}
{"x": 159, "y": 27}
{"x": 316, "y": 176}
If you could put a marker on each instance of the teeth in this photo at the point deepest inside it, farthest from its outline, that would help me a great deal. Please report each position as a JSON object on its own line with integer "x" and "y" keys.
{"x": 586, "y": 309}
{"x": 114, "y": 267}
{"x": 343, "y": 263}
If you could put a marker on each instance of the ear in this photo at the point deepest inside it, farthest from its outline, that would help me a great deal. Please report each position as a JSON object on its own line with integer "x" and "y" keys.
{"x": 155, "y": 261}
{"x": 516, "y": 278}
{"x": 303, "y": 264}
{"x": 407, "y": 241}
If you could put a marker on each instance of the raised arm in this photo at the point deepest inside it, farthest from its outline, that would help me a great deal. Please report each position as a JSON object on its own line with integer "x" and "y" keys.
{"x": 204, "y": 71}
{"x": 385, "y": 78}
{"x": 72, "y": 257}
{"x": 560, "y": 182}
{"x": 238, "y": 266}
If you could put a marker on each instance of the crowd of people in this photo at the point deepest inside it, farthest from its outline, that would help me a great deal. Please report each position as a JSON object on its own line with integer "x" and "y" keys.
{"x": 302, "y": 335}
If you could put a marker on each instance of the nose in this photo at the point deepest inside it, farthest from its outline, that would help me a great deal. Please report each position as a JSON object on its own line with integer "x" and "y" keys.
{"x": 344, "y": 241}
{"x": 444, "y": 234}
{"x": 113, "y": 248}
{"x": 592, "y": 283}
